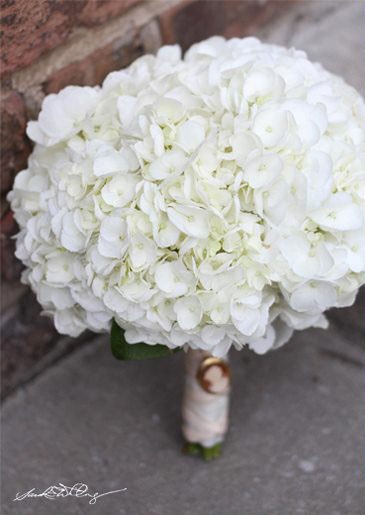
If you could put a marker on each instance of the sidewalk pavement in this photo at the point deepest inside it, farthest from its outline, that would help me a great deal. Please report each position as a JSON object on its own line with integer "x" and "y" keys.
{"x": 294, "y": 445}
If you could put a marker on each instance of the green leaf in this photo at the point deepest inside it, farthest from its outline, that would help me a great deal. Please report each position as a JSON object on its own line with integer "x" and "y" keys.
{"x": 125, "y": 351}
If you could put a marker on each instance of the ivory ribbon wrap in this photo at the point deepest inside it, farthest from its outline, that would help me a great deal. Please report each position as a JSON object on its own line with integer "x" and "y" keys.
{"x": 206, "y": 398}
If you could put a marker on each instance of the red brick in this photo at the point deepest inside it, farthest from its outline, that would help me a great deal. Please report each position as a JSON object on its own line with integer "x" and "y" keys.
{"x": 97, "y": 12}
{"x": 10, "y": 266}
{"x": 195, "y": 20}
{"x": 32, "y": 27}
{"x": 7, "y": 224}
{"x": 92, "y": 70}
{"x": 248, "y": 17}
{"x": 14, "y": 146}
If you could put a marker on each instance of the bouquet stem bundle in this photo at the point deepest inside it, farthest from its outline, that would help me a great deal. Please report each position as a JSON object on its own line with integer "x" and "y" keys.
{"x": 205, "y": 402}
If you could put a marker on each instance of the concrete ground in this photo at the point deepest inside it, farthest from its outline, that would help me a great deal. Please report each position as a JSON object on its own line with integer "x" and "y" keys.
{"x": 295, "y": 443}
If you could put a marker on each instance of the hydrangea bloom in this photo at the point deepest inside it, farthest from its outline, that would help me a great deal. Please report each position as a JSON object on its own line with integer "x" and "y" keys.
{"x": 207, "y": 201}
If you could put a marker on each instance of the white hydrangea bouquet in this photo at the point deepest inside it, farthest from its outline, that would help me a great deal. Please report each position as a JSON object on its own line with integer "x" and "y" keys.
{"x": 203, "y": 202}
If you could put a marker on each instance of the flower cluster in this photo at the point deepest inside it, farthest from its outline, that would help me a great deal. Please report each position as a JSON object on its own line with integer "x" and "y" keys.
{"x": 209, "y": 200}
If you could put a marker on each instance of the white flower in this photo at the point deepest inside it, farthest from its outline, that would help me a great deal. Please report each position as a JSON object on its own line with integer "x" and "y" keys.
{"x": 126, "y": 105}
{"x": 263, "y": 170}
{"x": 313, "y": 297}
{"x": 59, "y": 269}
{"x": 245, "y": 145}
{"x": 190, "y": 135}
{"x": 58, "y": 298}
{"x": 205, "y": 201}
{"x": 71, "y": 237}
{"x": 264, "y": 343}
{"x": 62, "y": 114}
{"x": 271, "y": 126}
{"x": 262, "y": 82}
{"x": 174, "y": 279}
{"x": 339, "y": 213}
{"x": 120, "y": 190}
{"x": 355, "y": 248}
{"x": 142, "y": 252}
{"x": 250, "y": 312}
{"x": 69, "y": 321}
{"x": 170, "y": 163}
{"x": 121, "y": 306}
{"x": 109, "y": 161}
{"x": 318, "y": 170}
{"x": 168, "y": 111}
{"x": 188, "y": 311}
{"x": 306, "y": 259}
{"x": 191, "y": 220}
{"x": 113, "y": 238}
{"x": 311, "y": 120}
{"x": 164, "y": 232}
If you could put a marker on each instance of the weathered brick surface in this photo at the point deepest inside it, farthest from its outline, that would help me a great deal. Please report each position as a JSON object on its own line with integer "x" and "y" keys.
{"x": 10, "y": 266}
{"x": 32, "y": 27}
{"x": 96, "y": 12}
{"x": 93, "y": 69}
{"x": 14, "y": 146}
{"x": 194, "y": 20}
{"x": 116, "y": 55}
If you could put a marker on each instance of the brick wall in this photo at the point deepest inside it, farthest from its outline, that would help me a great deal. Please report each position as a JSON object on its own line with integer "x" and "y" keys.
{"x": 46, "y": 45}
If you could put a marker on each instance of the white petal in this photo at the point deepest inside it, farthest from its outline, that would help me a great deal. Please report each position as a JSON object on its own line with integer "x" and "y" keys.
{"x": 170, "y": 53}
{"x": 67, "y": 321}
{"x": 109, "y": 162}
{"x": 142, "y": 252}
{"x": 212, "y": 335}
{"x": 112, "y": 249}
{"x": 263, "y": 170}
{"x": 245, "y": 146}
{"x": 127, "y": 109}
{"x": 120, "y": 190}
{"x": 168, "y": 110}
{"x": 190, "y": 135}
{"x": 262, "y": 345}
{"x": 189, "y": 312}
{"x": 169, "y": 163}
{"x": 60, "y": 298}
{"x": 173, "y": 278}
{"x": 192, "y": 221}
{"x": 271, "y": 126}
{"x": 318, "y": 172}
{"x": 167, "y": 235}
{"x": 115, "y": 301}
{"x": 313, "y": 297}
{"x": 339, "y": 213}
{"x": 113, "y": 228}
{"x": 262, "y": 82}
{"x": 248, "y": 320}
{"x": 71, "y": 238}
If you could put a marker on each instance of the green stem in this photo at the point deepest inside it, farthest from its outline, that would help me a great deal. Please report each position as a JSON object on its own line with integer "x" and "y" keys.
{"x": 207, "y": 453}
